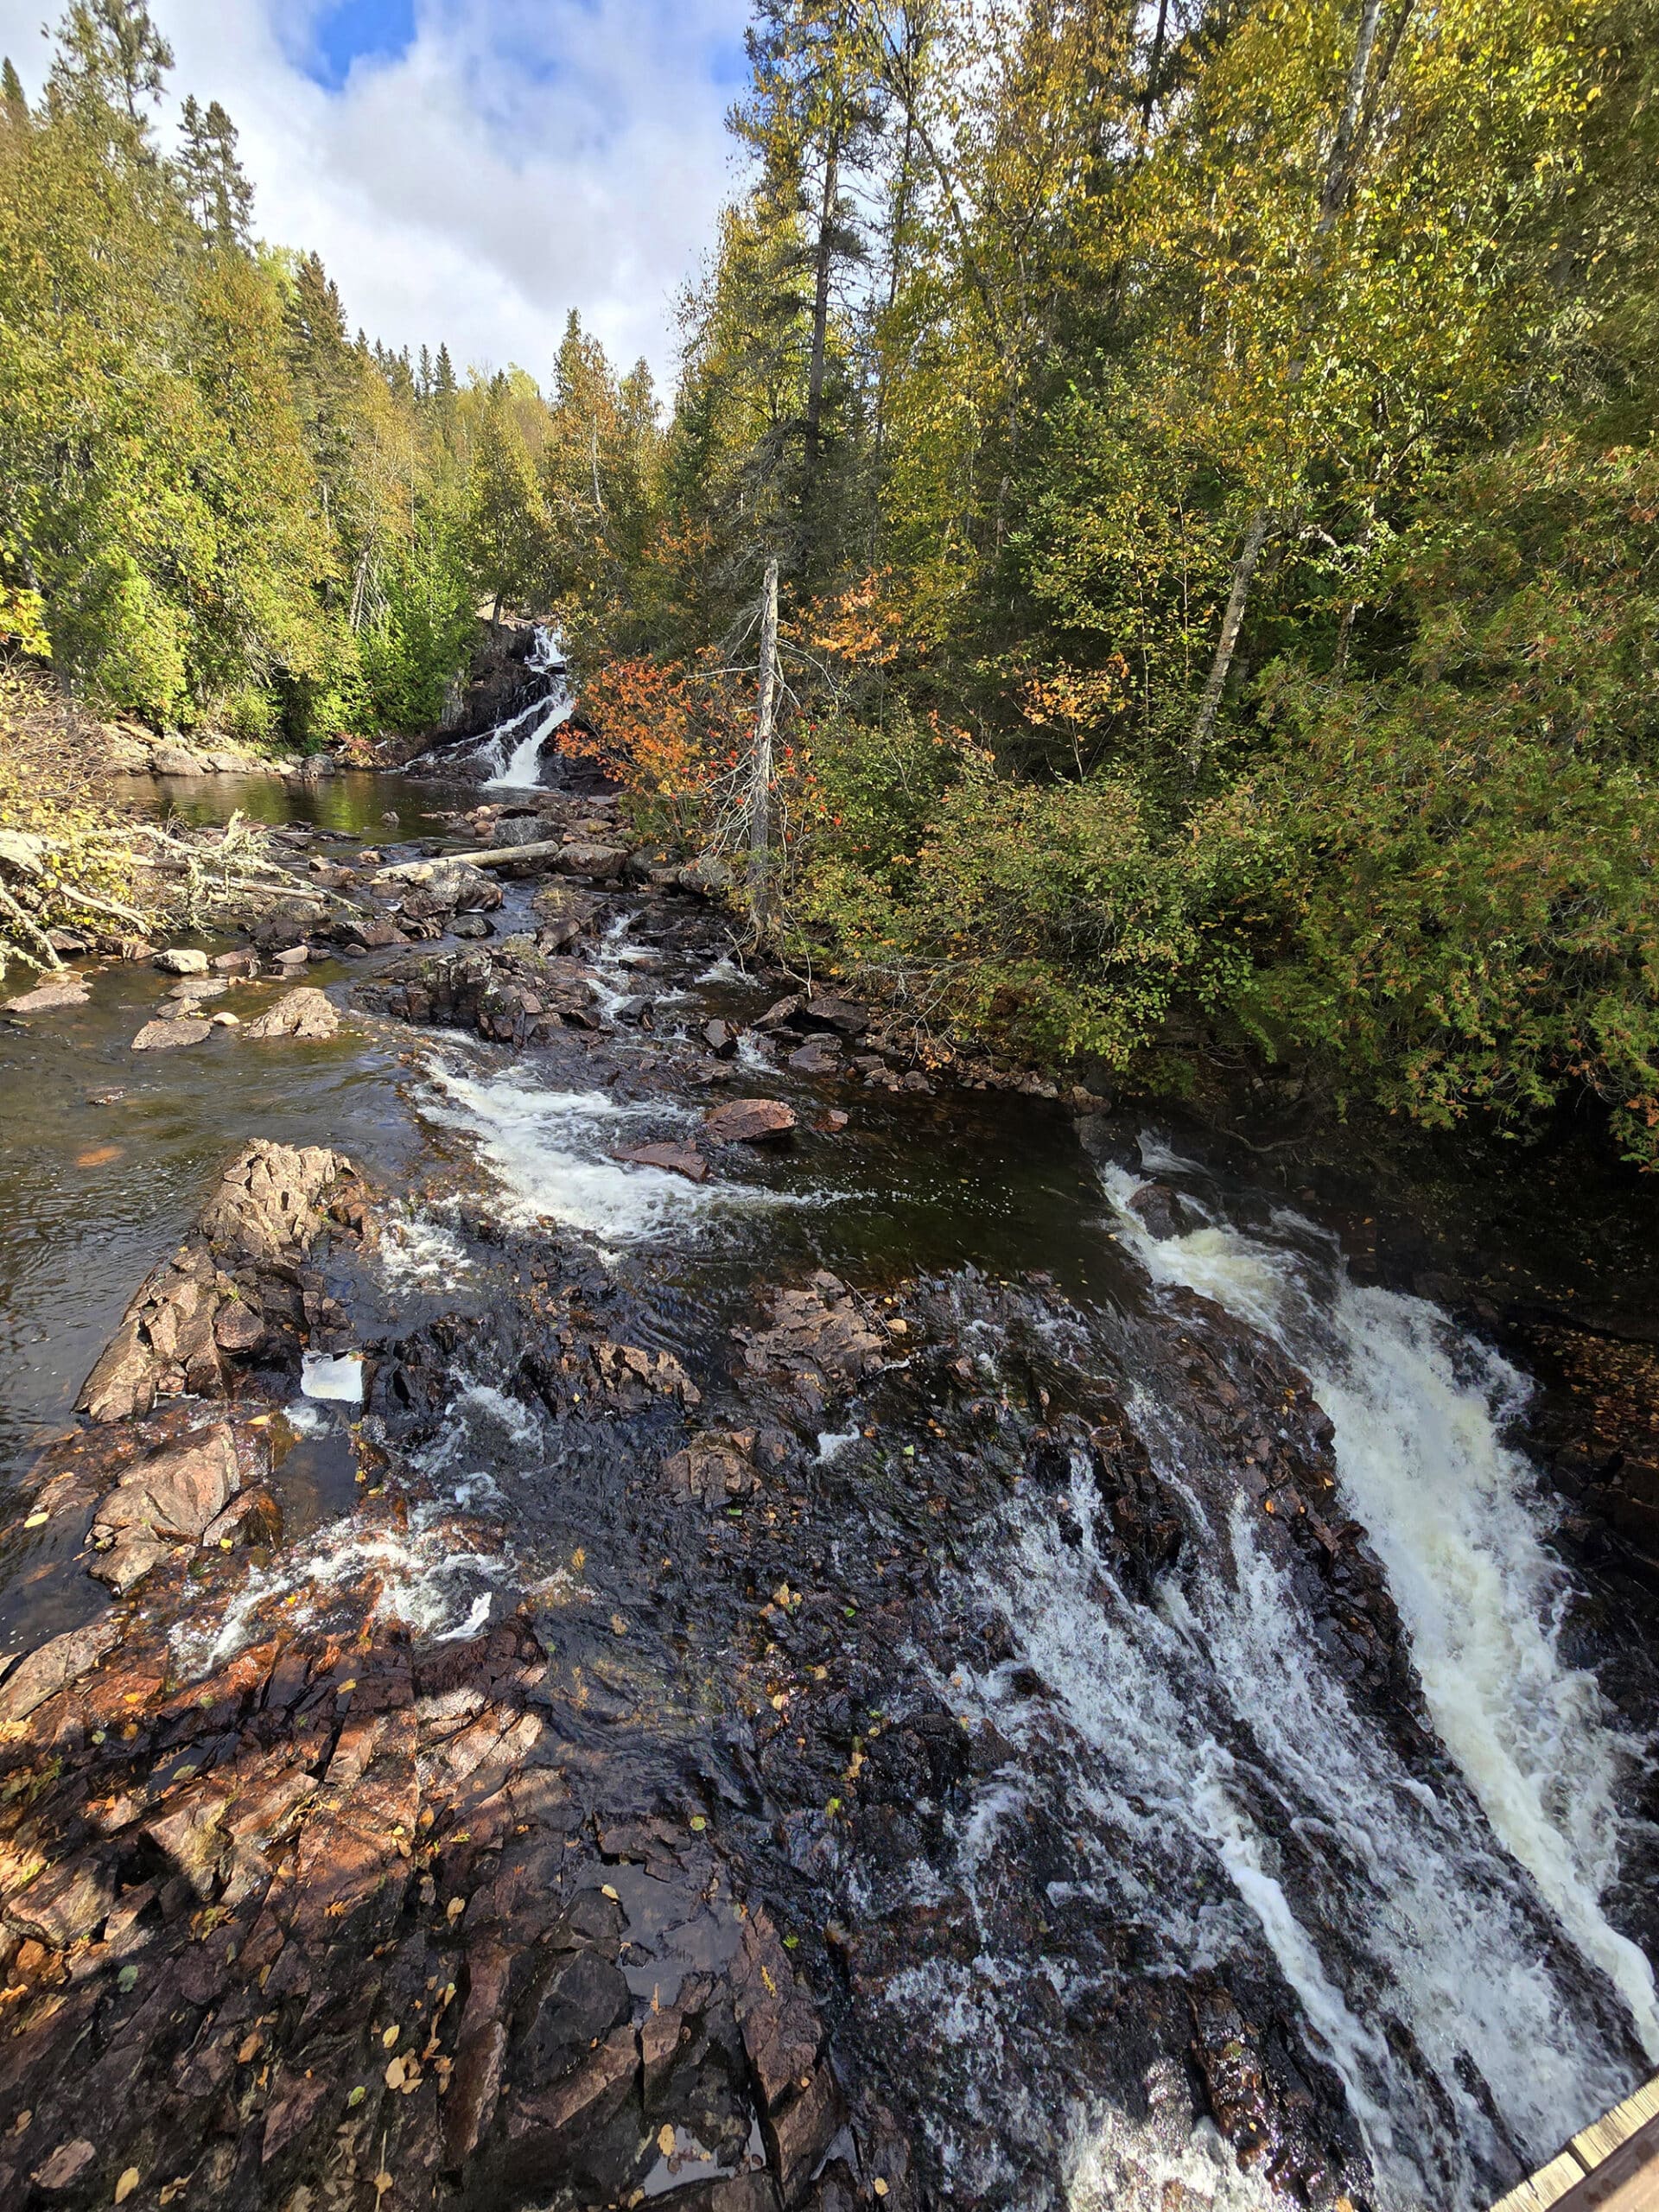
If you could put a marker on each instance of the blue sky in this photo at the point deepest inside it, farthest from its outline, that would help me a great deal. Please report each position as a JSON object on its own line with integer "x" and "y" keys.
{"x": 377, "y": 30}
{"x": 472, "y": 169}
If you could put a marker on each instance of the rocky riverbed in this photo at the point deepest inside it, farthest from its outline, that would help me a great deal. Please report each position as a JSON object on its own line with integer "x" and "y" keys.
{"x": 721, "y": 1610}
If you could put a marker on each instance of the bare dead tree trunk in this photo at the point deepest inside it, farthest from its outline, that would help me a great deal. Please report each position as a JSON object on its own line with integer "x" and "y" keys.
{"x": 1346, "y": 148}
{"x": 760, "y": 875}
{"x": 821, "y": 305}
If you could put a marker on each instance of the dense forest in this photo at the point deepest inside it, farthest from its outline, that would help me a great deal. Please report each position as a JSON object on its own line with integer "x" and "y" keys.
{"x": 1207, "y": 450}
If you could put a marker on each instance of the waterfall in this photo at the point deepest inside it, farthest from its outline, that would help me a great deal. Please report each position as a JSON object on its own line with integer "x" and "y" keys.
{"x": 1225, "y": 1792}
{"x": 1419, "y": 1407}
{"x": 514, "y": 761}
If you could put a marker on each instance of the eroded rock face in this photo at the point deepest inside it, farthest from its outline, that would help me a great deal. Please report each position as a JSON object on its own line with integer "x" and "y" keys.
{"x": 167, "y": 1500}
{"x": 515, "y": 995}
{"x": 215, "y": 1299}
{"x": 821, "y": 1338}
{"x": 367, "y": 1915}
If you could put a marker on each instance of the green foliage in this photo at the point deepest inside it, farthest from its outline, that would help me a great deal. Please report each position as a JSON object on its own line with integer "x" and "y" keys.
{"x": 411, "y": 649}
{"x": 1250, "y": 417}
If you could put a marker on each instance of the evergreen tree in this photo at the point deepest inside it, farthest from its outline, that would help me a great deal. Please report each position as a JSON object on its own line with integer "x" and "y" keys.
{"x": 507, "y": 524}
{"x": 215, "y": 189}
{"x": 110, "y": 54}
{"x": 12, "y": 102}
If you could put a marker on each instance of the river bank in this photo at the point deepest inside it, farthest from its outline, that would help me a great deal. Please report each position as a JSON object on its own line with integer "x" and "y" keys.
{"x": 961, "y": 1656}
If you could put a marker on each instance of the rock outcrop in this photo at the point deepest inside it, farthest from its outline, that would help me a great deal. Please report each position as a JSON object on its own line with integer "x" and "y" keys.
{"x": 232, "y": 1289}
{"x": 305, "y": 1014}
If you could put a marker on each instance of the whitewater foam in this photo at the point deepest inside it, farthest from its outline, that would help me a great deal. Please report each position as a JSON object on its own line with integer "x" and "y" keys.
{"x": 1419, "y": 1410}
{"x": 549, "y": 1152}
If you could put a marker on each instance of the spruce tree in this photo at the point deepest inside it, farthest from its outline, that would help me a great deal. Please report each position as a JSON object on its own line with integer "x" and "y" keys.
{"x": 215, "y": 189}
{"x": 110, "y": 54}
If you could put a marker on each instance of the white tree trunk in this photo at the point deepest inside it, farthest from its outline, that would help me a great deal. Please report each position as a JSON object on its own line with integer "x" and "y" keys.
{"x": 760, "y": 770}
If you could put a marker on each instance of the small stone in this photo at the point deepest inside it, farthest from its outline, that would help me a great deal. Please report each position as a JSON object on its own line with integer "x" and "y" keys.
{"x": 181, "y": 960}
{"x": 225, "y": 1019}
{"x": 295, "y": 955}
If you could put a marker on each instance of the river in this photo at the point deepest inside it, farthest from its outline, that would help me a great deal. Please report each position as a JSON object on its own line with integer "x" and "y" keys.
{"x": 1180, "y": 1773}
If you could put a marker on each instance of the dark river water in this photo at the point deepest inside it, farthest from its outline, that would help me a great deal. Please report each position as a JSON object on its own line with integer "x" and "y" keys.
{"x": 1439, "y": 1912}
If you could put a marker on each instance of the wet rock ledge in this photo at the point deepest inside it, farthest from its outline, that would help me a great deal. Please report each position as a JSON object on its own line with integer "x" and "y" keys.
{"x": 341, "y": 1920}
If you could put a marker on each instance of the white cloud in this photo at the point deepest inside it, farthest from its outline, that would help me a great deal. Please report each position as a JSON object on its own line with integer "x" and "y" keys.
{"x": 521, "y": 158}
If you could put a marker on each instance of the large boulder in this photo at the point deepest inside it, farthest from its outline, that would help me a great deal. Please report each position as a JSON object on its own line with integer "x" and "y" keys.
{"x": 593, "y": 862}
{"x": 750, "y": 1120}
{"x": 305, "y": 1013}
{"x": 175, "y": 760}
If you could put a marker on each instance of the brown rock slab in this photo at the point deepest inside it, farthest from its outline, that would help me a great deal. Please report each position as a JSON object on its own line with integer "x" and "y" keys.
{"x": 714, "y": 1469}
{"x": 64, "y": 1903}
{"x": 799, "y": 2135}
{"x": 172, "y": 1497}
{"x": 838, "y": 1015}
{"x": 253, "y": 1516}
{"x": 305, "y": 1013}
{"x": 53, "y": 1667}
{"x": 750, "y": 1120}
{"x": 588, "y": 2097}
{"x": 821, "y": 1057}
{"x": 591, "y": 860}
{"x": 167, "y": 1036}
{"x": 475, "y": 2085}
{"x": 678, "y": 1159}
{"x": 46, "y": 998}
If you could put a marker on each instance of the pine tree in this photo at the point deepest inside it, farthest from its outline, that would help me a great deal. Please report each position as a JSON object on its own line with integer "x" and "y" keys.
{"x": 508, "y": 537}
{"x": 12, "y": 102}
{"x": 814, "y": 119}
{"x": 110, "y": 54}
{"x": 215, "y": 189}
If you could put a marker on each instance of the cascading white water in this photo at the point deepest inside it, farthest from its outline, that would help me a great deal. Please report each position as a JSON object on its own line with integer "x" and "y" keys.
{"x": 1224, "y": 1788}
{"x": 1419, "y": 1408}
{"x": 512, "y": 750}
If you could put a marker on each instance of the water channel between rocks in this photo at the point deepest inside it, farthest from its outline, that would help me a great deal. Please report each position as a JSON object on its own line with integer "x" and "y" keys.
{"x": 1178, "y": 1779}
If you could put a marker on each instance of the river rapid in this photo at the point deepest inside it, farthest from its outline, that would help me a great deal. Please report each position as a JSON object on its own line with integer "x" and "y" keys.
{"x": 1135, "y": 1659}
